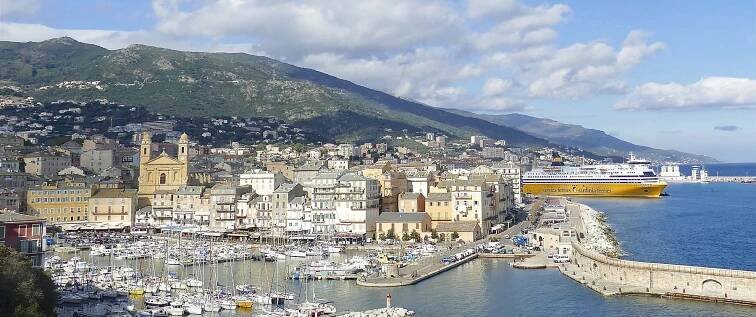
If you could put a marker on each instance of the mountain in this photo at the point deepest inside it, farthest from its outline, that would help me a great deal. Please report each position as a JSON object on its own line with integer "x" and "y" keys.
{"x": 592, "y": 140}
{"x": 196, "y": 84}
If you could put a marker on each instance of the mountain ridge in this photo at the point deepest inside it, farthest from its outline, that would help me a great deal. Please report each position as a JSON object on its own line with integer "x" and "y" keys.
{"x": 190, "y": 84}
{"x": 593, "y": 140}
{"x": 236, "y": 84}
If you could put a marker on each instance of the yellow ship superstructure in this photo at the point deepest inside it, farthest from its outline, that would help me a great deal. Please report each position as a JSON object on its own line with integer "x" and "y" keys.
{"x": 632, "y": 179}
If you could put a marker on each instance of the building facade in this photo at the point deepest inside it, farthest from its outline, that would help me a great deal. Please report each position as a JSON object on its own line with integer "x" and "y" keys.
{"x": 65, "y": 201}
{"x": 113, "y": 206}
{"x": 162, "y": 173}
{"x": 46, "y": 164}
{"x": 25, "y": 234}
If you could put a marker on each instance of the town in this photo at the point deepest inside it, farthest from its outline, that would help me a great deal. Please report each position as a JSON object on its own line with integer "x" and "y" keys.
{"x": 150, "y": 176}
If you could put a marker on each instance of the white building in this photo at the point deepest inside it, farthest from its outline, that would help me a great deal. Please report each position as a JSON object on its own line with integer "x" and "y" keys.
{"x": 357, "y": 202}
{"x": 263, "y": 182}
{"x": 348, "y": 150}
{"x": 338, "y": 164}
{"x": 475, "y": 139}
{"x": 190, "y": 206}
{"x": 473, "y": 200}
{"x": 513, "y": 172}
{"x": 299, "y": 217}
{"x": 419, "y": 182}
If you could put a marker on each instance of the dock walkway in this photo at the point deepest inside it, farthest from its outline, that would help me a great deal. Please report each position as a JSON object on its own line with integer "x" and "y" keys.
{"x": 422, "y": 273}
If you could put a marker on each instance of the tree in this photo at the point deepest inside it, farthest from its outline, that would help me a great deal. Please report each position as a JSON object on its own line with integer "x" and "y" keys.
{"x": 390, "y": 234}
{"x": 415, "y": 236}
{"x": 434, "y": 234}
{"x": 298, "y": 147}
{"x": 405, "y": 236}
{"x": 25, "y": 291}
{"x": 382, "y": 236}
{"x": 442, "y": 237}
{"x": 455, "y": 235}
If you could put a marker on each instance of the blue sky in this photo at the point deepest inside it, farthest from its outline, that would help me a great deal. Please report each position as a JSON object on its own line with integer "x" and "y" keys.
{"x": 659, "y": 73}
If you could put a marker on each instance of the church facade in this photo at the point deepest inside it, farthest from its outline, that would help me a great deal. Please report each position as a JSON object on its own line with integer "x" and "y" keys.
{"x": 163, "y": 173}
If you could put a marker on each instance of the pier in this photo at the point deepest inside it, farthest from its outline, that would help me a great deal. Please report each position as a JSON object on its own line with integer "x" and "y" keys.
{"x": 732, "y": 179}
{"x": 433, "y": 266}
{"x": 417, "y": 275}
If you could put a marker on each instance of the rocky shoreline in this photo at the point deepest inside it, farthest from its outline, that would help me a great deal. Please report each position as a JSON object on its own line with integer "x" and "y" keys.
{"x": 381, "y": 312}
{"x": 599, "y": 236}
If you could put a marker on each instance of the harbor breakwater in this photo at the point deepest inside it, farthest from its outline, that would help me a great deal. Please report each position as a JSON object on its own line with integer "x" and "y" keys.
{"x": 613, "y": 276}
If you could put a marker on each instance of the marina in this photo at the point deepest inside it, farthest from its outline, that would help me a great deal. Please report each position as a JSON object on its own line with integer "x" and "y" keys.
{"x": 251, "y": 269}
{"x": 327, "y": 288}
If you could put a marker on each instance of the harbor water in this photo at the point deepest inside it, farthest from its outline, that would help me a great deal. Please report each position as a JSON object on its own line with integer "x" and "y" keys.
{"x": 698, "y": 224}
{"x": 711, "y": 225}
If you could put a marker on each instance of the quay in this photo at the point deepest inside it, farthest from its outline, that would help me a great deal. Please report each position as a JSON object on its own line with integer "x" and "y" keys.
{"x": 416, "y": 276}
{"x": 414, "y": 273}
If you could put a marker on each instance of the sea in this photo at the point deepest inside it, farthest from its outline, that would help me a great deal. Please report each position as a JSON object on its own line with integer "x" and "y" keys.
{"x": 711, "y": 225}
{"x": 724, "y": 169}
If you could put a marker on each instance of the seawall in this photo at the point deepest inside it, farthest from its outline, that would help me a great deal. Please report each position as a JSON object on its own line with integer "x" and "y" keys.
{"x": 609, "y": 276}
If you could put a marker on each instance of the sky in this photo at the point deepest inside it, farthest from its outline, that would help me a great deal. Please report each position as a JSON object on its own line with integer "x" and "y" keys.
{"x": 668, "y": 74}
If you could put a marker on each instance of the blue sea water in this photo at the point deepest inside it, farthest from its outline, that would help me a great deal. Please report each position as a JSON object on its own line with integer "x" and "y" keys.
{"x": 710, "y": 225}
{"x": 725, "y": 169}
{"x": 698, "y": 224}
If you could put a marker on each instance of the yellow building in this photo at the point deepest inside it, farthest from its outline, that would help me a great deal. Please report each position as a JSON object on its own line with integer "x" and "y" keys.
{"x": 375, "y": 171}
{"x": 439, "y": 207}
{"x": 164, "y": 172}
{"x": 411, "y": 202}
{"x": 66, "y": 201}
{"x": 402, "y": 222}
{"x": 113, "y": 206}
{"x": 468, "y": 231}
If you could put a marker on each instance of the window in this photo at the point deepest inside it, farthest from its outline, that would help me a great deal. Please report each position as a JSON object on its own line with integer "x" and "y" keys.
{"x": 36, "y": 230}
{"x": 22, "y": 231}
{"x": 162, "y": 178}
{"x": 2, "y": 232}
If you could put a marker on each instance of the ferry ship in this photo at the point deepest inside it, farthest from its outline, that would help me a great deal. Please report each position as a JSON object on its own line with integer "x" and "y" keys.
{"x": 635, "y": 178}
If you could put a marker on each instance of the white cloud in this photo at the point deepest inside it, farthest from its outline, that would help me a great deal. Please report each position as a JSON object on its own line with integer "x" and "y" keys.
{"x": 295, "y": 28}
{"x": 707, "y": 93}
{"x": 587, "y": 68}
{"x": 493, "y": 55}
{"x": 496, "y": 86}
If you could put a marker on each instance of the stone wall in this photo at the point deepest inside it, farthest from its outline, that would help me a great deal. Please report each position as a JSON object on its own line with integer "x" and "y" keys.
{"x": 667, "y": 279}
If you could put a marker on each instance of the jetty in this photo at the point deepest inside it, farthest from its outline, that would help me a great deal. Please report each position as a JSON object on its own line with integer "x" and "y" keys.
{"x": 413, "y": 274}
{"x": 613, "y": 276}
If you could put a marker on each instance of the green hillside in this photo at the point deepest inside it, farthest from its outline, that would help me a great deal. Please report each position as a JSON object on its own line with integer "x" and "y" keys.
{"x": 192, "y": 84}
